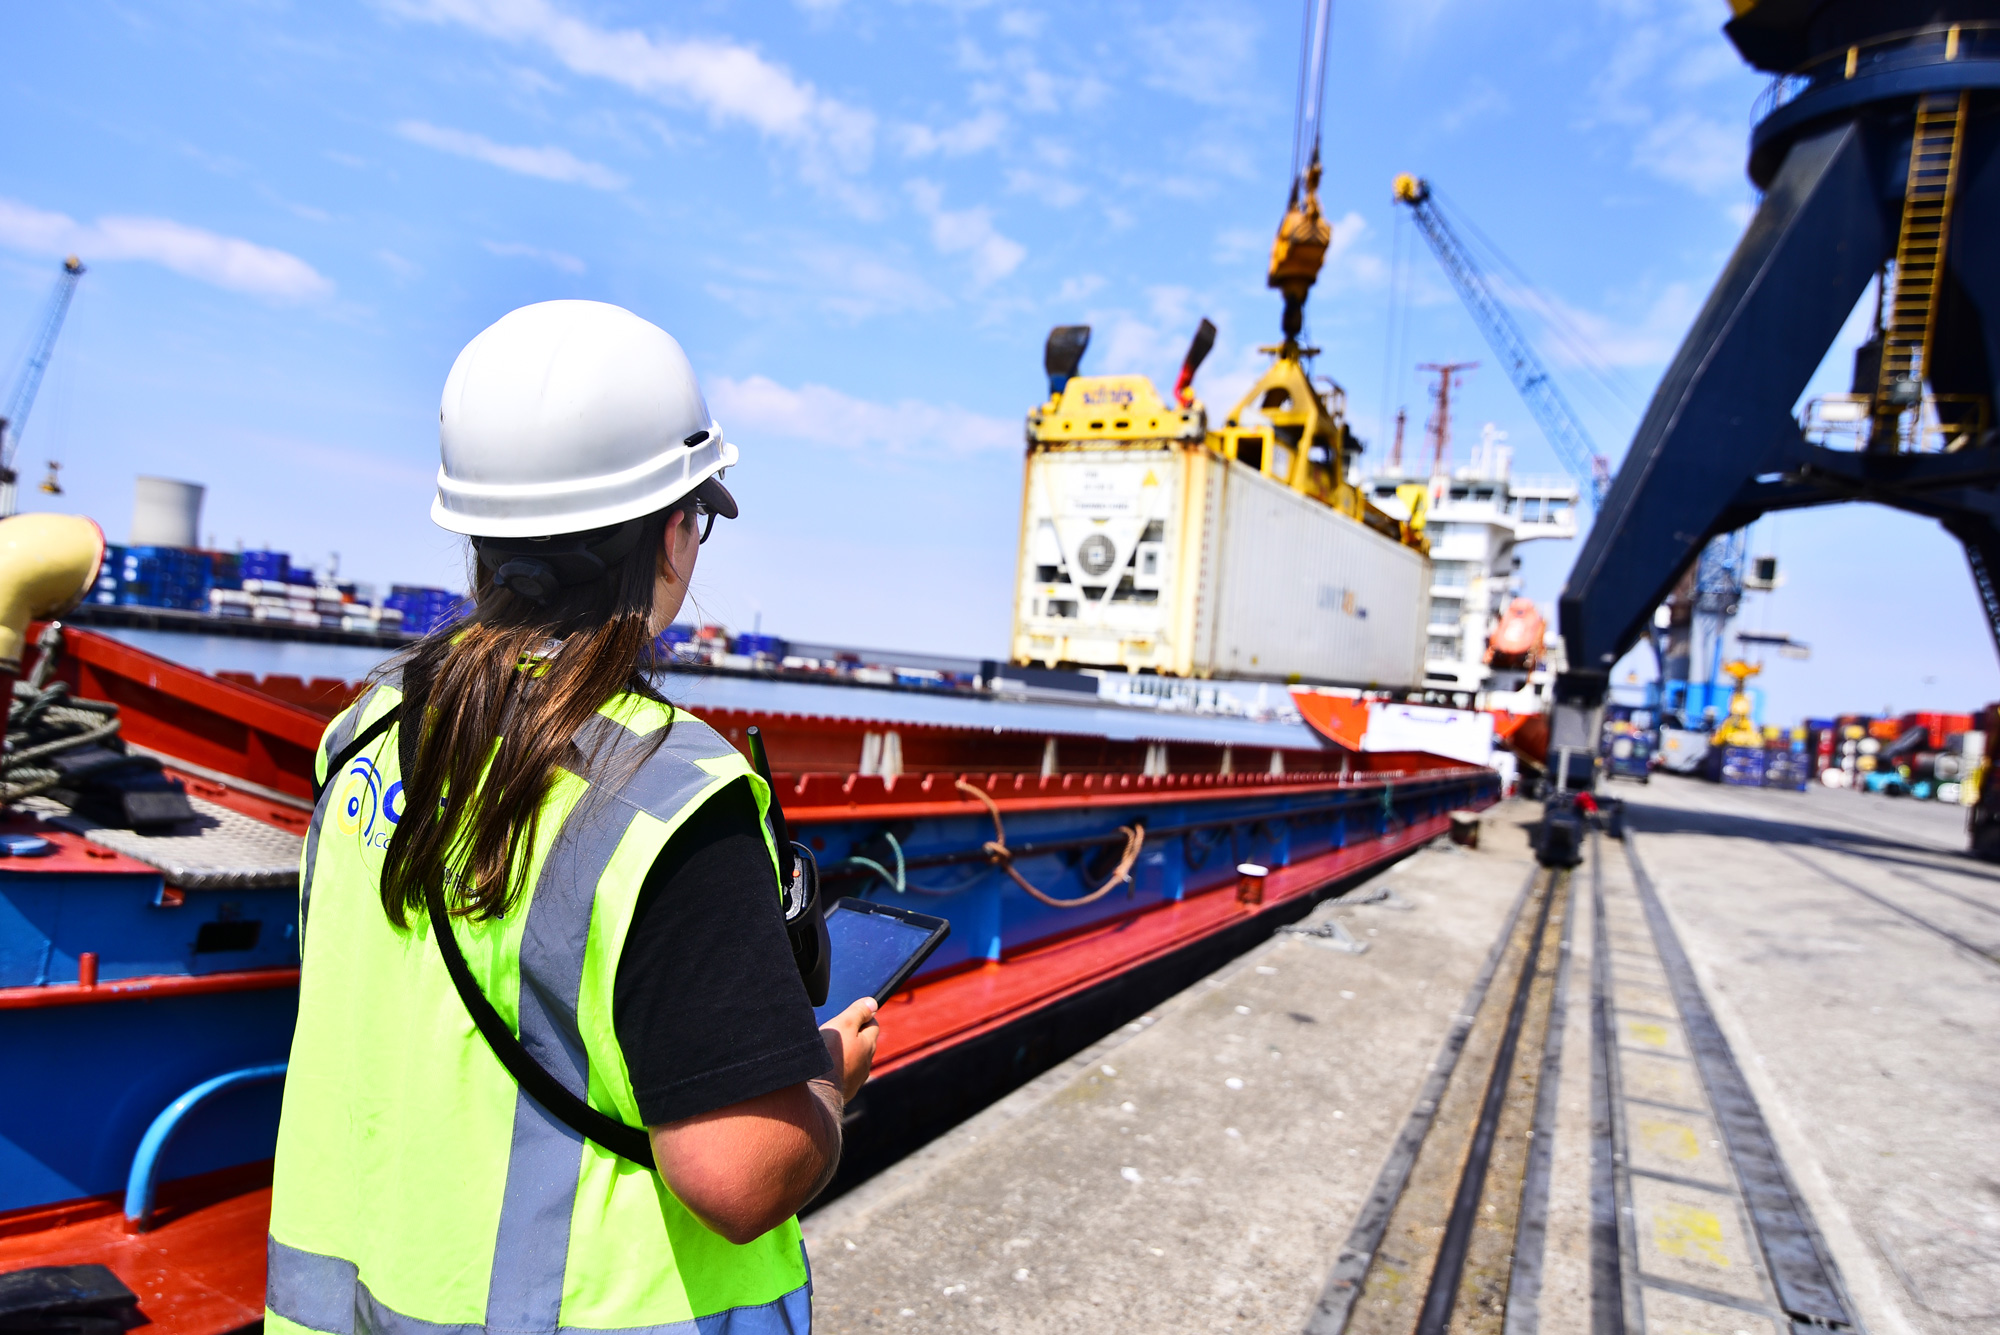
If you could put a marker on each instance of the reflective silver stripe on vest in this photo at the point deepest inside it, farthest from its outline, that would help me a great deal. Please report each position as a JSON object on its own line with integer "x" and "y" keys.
{"x": 324, "y": 1293}
{"x": 531, "y": 1248}
{"x": 529, "y": 1252}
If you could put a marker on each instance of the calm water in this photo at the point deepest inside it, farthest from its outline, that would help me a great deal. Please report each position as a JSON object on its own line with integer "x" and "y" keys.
{"x": 225, "y": 653}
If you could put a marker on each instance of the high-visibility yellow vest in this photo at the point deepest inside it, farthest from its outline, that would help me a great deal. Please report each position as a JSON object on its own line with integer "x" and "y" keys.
{"x": 417, "y": 1188}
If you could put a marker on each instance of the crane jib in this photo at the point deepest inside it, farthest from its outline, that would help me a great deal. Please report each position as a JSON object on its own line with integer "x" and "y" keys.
{"x": 21, "y": 400}
{"x": 1551, "y": 410}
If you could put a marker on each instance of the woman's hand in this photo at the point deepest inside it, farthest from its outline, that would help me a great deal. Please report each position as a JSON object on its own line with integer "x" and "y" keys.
{"x": 850, "y": 1043}
{"x": 745, "y": 1169}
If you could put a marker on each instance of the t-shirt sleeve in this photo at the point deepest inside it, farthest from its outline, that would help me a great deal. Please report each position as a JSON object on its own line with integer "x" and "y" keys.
{"x": 708, "y": 1005}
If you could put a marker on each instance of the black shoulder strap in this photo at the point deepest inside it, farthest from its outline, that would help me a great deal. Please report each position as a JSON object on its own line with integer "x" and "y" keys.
{"x": 355, "y": 748}
{"x": 627, "y": 1142}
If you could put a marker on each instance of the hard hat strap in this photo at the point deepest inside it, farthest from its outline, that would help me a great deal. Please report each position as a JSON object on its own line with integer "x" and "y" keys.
{"x": 535, "y": 568}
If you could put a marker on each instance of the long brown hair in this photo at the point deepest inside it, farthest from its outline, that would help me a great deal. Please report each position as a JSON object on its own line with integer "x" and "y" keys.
{"x": 466, "y": 685}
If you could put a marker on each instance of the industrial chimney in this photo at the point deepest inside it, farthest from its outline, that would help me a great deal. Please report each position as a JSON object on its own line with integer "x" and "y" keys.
{"x": 166, "y": 513}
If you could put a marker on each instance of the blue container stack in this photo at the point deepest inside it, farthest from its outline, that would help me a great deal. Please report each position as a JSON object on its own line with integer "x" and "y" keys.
{"x": 153, "y": 577}
{"x": 424, "y": 610}
{"x": 225, "y": 570}
{"x": 274, "y": 566}
{"x": 760, "y": 646}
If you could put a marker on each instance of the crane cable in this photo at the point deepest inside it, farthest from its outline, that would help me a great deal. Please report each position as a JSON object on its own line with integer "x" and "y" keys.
{"x": 1623, "y": 393}
{"x": 1310, "y": 106}
{"x": 1395, "y": 350}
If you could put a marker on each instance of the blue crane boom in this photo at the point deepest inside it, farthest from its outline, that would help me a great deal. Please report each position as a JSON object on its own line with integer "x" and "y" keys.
{"x": 22, "y": 398}
{"x": 1567, "y": 437}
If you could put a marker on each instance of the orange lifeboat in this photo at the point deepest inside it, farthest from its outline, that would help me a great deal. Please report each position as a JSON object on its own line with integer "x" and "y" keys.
{"x": 1517, "y": 641}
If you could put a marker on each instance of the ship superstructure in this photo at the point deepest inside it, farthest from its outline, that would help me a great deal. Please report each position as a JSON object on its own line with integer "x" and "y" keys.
{"x": 1476, "y": 517}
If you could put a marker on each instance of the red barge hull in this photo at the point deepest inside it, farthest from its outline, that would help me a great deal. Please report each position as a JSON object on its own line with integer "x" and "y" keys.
{"x": 1020, "y": 986}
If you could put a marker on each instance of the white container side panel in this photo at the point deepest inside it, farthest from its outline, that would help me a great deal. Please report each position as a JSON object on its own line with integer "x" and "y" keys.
{"x": 1301, "y": 590}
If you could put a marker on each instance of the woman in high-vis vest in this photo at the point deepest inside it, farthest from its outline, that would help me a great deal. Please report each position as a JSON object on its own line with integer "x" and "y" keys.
{"x": 528, "y": 870}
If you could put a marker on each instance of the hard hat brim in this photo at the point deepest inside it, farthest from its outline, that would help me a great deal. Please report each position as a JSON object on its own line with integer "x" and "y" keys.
{"x": 716, "y": 497}
{"x": 489, "y": 510}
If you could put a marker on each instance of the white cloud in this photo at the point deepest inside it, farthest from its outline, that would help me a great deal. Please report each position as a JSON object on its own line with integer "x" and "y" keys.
{"x": 1649, "y": 342}
{"x": 1692, "y": 150}
{"x": 519, "y": 250}
{"x": 398, "y": 265}
{"x": 1058, "y": 192}
{"x": 1153, "y": 343}
{"x": 819, "y": 415}
{"x": 968, "y": 232}
{"x": 1235, "y": 244}
{"x": 970, "y": 136}
{"x": 1345, "y": 265}
{"x": 1201, "y": 54}
{"x": 1023, "y": 23}
{"x": 729, "y": 81}
{"x": 548, "y": 163}
{"x": 1666, "y": 52}
{"x": 1077, "y": 288}
{"x": 850, "y": 282}
{"x": 224, "y": 261}
{"x": 1481, "y": 102}
{"x": 1020, "y": 81}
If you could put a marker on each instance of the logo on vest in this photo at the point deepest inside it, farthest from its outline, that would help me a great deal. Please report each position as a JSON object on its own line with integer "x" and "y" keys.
{"x": 363, "y": 808}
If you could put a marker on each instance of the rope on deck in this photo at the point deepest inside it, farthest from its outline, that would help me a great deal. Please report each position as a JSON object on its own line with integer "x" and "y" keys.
{"x": 1002, "y": 857}
{"x": 43, "y": 721}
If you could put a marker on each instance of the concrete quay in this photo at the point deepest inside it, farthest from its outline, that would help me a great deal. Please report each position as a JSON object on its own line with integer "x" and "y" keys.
{"x": 1739, "y": 1072}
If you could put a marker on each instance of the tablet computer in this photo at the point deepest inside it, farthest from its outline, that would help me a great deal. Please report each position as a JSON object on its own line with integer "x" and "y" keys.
{"x": 876, "y": 948}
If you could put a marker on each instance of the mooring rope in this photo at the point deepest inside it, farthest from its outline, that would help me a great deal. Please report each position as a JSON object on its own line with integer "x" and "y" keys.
{"x": 1002, "y": 857}
{"x": 43, "y": 721}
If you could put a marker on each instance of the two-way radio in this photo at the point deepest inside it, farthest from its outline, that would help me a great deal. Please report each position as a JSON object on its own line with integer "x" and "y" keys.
{"x": 798, "y": 888}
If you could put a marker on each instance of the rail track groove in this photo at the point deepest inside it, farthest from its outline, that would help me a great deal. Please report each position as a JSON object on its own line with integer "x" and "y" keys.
{"x": 1689, "y": 1218}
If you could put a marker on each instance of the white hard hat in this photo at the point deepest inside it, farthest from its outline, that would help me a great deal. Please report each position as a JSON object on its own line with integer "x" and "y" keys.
{"x": 573, "y": 415}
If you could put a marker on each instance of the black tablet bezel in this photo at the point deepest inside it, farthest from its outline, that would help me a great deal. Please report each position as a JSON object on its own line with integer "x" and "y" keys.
{"x": 939, "y": 929}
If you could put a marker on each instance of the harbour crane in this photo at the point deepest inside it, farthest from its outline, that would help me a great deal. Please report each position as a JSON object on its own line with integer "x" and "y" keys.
{"x": 21, "y": 400}
{"x": 1711, "y": 603}
{"x": 1567, "y": 437}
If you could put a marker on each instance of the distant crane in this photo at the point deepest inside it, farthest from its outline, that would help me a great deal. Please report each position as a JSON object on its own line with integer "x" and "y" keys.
{"x": 1705, "y": 605}
{"x": 22, "y": 399}
{"x": 1567, "y": 437}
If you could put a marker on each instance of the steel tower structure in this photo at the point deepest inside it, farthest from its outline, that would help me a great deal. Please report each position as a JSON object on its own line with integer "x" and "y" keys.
{"x": 1877, "y": 147}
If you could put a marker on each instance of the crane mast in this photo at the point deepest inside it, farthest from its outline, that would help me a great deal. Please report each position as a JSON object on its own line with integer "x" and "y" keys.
{"x": 21, "y": 400}
{"x": 1570, "y": 441}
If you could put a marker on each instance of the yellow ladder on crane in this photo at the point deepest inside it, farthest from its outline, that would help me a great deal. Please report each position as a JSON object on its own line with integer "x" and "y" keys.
{"x": 1920, "y": 243}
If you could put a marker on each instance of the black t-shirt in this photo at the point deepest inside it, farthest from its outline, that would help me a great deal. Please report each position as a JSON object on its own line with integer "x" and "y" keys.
{"x": 708, "y": 1004}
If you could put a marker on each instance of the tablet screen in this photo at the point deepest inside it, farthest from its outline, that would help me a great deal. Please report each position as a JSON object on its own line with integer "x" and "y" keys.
{"x": 869, "y": 950}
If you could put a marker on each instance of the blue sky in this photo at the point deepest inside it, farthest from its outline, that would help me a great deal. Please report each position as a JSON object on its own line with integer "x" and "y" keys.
{"x": 861, "y": 217}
